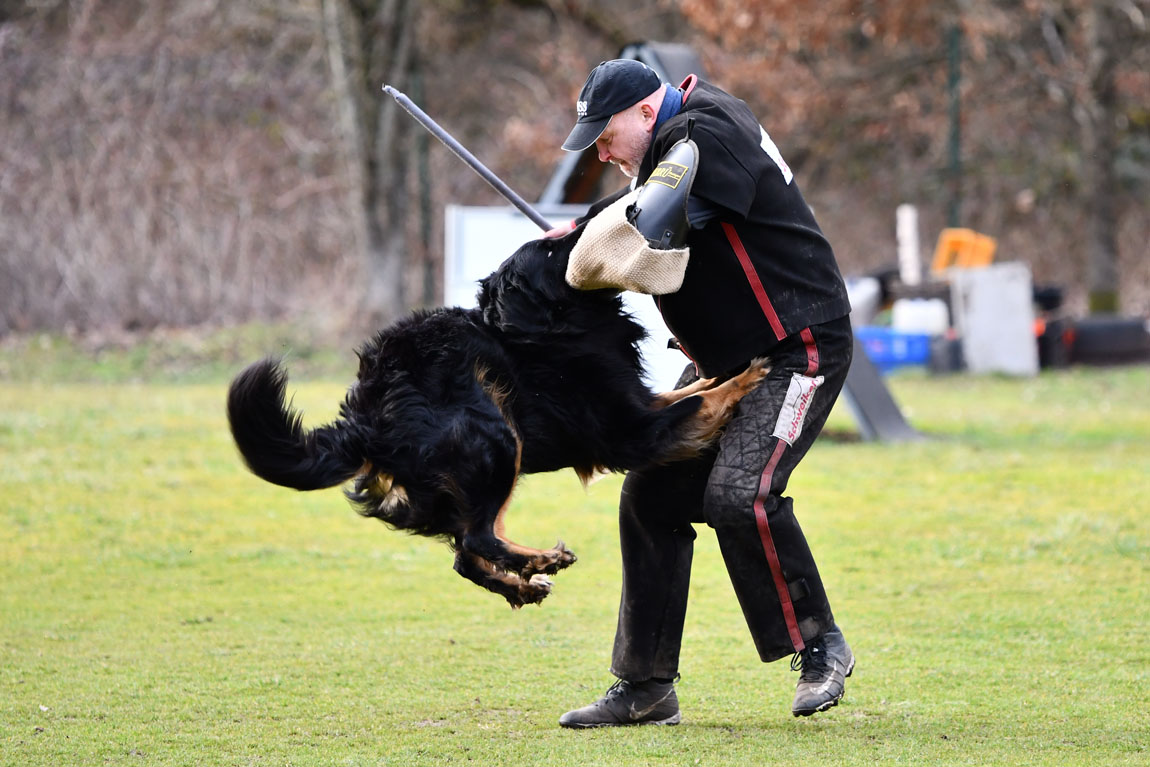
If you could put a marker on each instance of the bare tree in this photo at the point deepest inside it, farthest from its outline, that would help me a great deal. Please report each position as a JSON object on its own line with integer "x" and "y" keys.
{"x": 1097, "y": 114}
{"x": 1087, "y": 43}
{"x": 370, "y": 43}
{"x": 182, "y": 162}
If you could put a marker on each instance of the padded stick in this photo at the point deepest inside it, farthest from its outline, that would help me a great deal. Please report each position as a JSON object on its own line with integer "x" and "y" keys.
{"x": 462, "y": 153}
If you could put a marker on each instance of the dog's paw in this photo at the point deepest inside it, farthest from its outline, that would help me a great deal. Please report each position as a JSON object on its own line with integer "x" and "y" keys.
{"x": 530, "y": 592}
{"x": 565, "y": 557}
{"x": 755, "y": 372}
{"x": 535, "y": 590}
{"x": 550, "y": 562}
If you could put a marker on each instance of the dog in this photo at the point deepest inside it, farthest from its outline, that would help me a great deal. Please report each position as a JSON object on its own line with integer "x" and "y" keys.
{"x": 451, "y": 405}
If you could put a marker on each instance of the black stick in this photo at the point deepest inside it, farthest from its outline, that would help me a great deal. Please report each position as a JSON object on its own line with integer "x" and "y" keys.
{"x": 462, "y": 153}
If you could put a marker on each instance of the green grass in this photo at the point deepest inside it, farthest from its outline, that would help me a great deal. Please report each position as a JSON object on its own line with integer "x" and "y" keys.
{"x": 160, "y": 606}
{"x": 185, "y": 355}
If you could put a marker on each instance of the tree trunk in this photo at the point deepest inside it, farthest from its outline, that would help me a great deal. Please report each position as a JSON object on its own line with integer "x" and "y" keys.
{"x": 370, "y": 44}
{"x": 1097, "y": 124}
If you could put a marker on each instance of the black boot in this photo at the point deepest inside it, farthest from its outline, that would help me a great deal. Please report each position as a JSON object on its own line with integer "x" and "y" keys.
{"x": 826, "y": 662}
{"x": 626, "y": 703}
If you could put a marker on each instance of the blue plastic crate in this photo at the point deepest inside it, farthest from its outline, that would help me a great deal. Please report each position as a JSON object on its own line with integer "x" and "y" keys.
{"x": 889, "y": 349}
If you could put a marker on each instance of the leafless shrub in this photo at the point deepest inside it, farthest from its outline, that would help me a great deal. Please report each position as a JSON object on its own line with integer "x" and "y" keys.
{"x": 179, "y": 162}
{"x": 169, "y": 168}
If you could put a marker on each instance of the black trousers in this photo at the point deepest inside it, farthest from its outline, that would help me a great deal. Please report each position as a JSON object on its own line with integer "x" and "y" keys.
{"x": 737, "y": 489}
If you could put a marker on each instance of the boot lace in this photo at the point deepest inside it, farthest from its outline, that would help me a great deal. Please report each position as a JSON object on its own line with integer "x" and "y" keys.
{"x": 620, "y": 687}
{"x": 811, "y": 661}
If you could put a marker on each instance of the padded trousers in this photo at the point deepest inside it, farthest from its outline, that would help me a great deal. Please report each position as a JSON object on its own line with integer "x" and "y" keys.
{"x": 737, "y": 489}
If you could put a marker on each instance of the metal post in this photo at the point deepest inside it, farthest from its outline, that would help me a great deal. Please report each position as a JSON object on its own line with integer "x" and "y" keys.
{"x": 954, "y": 59}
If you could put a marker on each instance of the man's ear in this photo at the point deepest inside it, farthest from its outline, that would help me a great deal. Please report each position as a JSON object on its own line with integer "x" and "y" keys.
{"x": 648, "y": 113}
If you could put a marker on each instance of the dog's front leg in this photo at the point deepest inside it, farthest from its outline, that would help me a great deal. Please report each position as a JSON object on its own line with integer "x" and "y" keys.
{"x": 716, "y": 409}
{"x": 488, "y": 540}
{"x": 510, "y": 586}
{"x": 719, "y": 402}
{"x": 671, "y": 397}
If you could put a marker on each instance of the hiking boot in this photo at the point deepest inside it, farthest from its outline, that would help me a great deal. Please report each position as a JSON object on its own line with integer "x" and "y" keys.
{"x": 628, "y": 703}
{"x": 826, "y": 663}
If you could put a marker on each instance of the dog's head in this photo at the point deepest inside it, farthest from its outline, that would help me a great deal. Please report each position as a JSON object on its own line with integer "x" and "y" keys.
{"x": 528, "y": 294}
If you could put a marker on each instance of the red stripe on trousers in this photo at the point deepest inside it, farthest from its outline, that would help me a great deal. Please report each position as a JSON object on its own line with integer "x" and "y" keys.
{"x": 769, "y": 548}
{"x": 812, "y": 351}
{"x": 761, "y": 513}
{"x": 755, "y": 282}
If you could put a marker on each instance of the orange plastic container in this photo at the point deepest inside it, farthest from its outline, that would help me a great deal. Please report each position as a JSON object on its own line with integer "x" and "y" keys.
{"x": 963, "y": 247}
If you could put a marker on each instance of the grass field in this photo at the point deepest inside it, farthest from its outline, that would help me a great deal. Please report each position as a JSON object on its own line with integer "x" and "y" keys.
{"x": 160, "y": 606}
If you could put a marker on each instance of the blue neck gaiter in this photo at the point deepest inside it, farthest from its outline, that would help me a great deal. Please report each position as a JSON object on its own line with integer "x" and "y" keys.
{"x": 672, "y": 103}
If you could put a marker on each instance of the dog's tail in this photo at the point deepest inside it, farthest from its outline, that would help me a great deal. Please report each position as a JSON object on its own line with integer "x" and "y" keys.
{"x": 270, "y": 435}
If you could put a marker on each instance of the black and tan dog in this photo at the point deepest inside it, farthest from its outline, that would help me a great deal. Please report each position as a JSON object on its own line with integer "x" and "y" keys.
{"x": 451, "y": 405}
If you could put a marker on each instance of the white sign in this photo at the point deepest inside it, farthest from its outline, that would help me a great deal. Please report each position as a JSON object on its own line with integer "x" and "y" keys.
{"x": 479, "y": 239}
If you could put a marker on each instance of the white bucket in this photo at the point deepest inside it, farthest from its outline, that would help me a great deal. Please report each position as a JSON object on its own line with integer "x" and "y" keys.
{"x": 920, "y": 315}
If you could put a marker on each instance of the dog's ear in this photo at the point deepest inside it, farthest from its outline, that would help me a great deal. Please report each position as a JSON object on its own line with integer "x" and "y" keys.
{"x": 528, "y": 293}
{"x": 573, "y": 236}
{"x": 558, "y": 247}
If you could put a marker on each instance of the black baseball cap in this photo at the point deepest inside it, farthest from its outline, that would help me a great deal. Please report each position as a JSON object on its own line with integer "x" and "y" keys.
{"x": 610, "y": 88}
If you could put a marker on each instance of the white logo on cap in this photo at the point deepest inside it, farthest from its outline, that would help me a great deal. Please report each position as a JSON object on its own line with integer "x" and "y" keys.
{"x": 581, "y": 108}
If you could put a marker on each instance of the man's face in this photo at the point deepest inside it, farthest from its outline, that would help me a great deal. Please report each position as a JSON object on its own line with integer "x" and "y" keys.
{"x": 625, "y": 140}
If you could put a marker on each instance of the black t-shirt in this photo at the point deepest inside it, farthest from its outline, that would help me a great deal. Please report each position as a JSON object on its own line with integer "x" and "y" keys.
{"x": 762, "y": 270}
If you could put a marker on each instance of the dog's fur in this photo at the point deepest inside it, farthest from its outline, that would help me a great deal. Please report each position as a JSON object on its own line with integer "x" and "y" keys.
{"x": 451, "y": 405}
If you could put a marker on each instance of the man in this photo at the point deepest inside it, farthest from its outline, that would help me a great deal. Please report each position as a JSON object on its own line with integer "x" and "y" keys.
{"x": 760, "y": 279}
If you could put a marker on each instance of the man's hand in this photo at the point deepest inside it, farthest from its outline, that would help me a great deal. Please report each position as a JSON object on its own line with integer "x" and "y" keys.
{"x": 559, "y": 231}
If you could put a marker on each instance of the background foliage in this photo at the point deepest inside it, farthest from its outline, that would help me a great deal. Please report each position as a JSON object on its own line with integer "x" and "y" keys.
{"x": 181, "y": 162}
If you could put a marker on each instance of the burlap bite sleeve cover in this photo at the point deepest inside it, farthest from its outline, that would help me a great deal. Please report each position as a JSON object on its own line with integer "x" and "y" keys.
{"x": 611, "y": 253}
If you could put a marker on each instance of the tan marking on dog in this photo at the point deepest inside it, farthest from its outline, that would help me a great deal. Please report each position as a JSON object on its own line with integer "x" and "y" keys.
{"x": 518, "y": 591}
{"x": 497, "y": 392}
{"x": 671, "y": 397}
{"x": 499, "y": 395}
{"x": 396, "y": 496}
{"x": 383, "y": 488}
{"x": 541, "y": 559}
{"x": 718, "y": 408}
